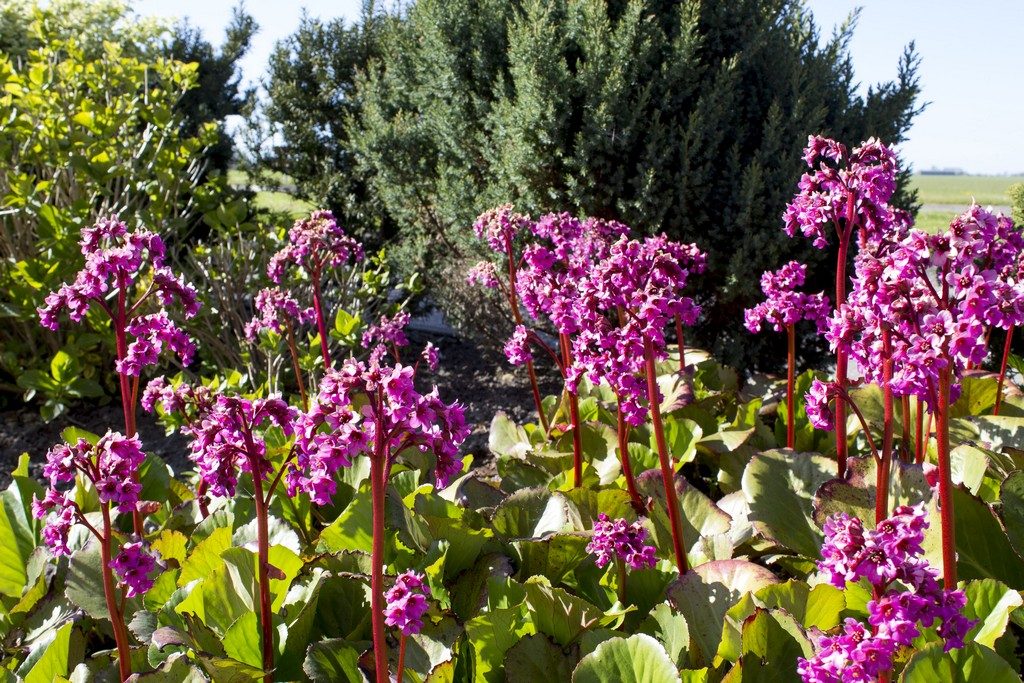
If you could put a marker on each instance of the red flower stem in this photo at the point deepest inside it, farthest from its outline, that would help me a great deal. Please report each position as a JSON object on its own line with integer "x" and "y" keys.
{"x": 919, "y": 455}
{"x": 841, "y": 358}
{"x": 513, "y": 302}
{"x": 295, "y": 365}
{"x": 679, "y": 341}
{"x": 622, "y": 432}
{"x": 1002, "y": 370}
{"x": 401, "y": 658}
{"x": 262, "y": 559}
{"x": 120, "y": 323}
{"x": 906, "y": 427}
{"x": 124, "y": 657}
{"x": 574, "y": 415}
{"x": 667, "y": 474}
{"x": 321, "y": 323}
{"x": 378, "y": 465}
{"x": 945, "y": 482}
{"x": 790, "y": 386}
{"x": 882, "y": 476}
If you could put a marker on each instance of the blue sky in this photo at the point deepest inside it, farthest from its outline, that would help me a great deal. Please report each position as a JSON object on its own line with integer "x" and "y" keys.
{"x": 971, "y": 64}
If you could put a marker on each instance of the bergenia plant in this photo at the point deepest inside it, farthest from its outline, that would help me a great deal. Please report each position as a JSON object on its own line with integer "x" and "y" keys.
{"x": 849, "y": 191}
{"x": 119, "y": 263}
{"x": 277, "y": 311}
{"x": 390, "y": 333}
{"x": 500, "y": 227}
{"x": 315, "y": 244}
{"x": 228, "y": 439}
{"x": 906, "y": 598}
{"x": 642, "y": 283}
{"x": 366, "y": 408}
{"x": 783, "y": 308}
{"x": 108, "y": 465}
{"x": 932, "y": 296}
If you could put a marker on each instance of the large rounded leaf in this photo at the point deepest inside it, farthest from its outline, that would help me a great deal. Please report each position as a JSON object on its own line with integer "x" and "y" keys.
{"x": 637, "y": 659}
{"x": 780, "y": 487}
{"x": 973, "y": 664}
{"x": 704, "y": 595}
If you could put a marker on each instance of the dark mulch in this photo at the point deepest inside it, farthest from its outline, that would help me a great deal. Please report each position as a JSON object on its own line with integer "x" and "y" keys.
{"x": 481, "y": 379}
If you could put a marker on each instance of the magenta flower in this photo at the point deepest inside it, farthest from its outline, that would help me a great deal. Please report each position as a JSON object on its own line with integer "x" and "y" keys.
{"x": 885, "y": 556}
{"x": 517, "y": 348}
{"x": 865, "y": 178}
{"x": 133, "y": 566}
{"x": 227, "y": 439}
{"x": 429, "y": 355}
{"x": 483, "y": 274}
{"x": 500, "y": 226}
{"x": 388, "y": 331}
{"x": 818, "y": 398}
{"x": 618, "y": 539}
{"x": 276, "y": 310}
{"x": 334, "y": 430}
{"x": 407, "y": 603}
{"x": 783, "y": 305}
{"x": 312, "y": 243}
{"x": 115, "y": 261}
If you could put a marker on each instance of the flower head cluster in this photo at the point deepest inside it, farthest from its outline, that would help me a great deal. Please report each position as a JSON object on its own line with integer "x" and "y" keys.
{"x": 312, "y": 243}
{"x": 183, "y": 398}
{"x": 925, "y": 301}
{"x": 276, "y": 310}
{"x": 227, "y": 435}
{"x": 783, "y": 305}
{"x": 134, "y": 565}
{"x": 484, "y": 274}
{"x": 499, "y": 226}
{"x": 407, "y": 603}
{"x": 115, "y": 260}
{"x": 627, "y": 300}
{"x": 109, "y": 465}
{"x": 861, "y": 181}
{"x": 618, "y": 539}
{"x": 374, "y": 409}
{"x": 818, "y": 398}
{"x": 885, "y": 556}
{"x": 388, "y": 331}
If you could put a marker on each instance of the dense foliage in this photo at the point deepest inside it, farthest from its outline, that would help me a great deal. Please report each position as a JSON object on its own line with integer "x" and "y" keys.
{"x": 680, "y": 117}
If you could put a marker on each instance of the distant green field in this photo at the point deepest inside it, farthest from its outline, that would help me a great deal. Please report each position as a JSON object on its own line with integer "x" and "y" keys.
{"x": 958, "y": 189}
{"x": 277, "y": 201}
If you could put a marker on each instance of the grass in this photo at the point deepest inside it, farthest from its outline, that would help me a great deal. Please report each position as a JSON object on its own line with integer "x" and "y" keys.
{"x": 958, "y": 189}
{"x": 273, "y": 200}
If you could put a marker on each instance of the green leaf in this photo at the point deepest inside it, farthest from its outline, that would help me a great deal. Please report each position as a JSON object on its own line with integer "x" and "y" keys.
{"x": 57, "y": 659}
{"x": 531, "y": 513}
{"x": 536, "y": 659}
{"x": 771, "y": 643}
{"x": 353, "y": 529}
{"x": 205, "y": 557}
{"x": 508, "y": 438}
{"x": 636, "y": 659}
{"x": 705, "y": 594}
{"x": 983, "y": 549}
{"x": 990, "y": 603}
{"x": 64, "y": 367}
{"x": 973, "y": 663}
{"x": 1011, "y": 495}
{"x": 492, "y": 634}
{"x": 242, "y": 640}
{"x": 671, "y": 631}
{"x": 819, "y": 607}
{"x": 557, "y": 613}
{"x": 780, "y": 486}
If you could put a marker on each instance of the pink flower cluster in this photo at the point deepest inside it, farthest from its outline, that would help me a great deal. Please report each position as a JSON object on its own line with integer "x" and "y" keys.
{"x": 388, "y": 331}
{"x": 312, "y": 243}
{"x": 926, "y": 301}
{"x": 114, "y": 261}
{"x": 500, "y": 226}
{"x": 276, "y": 309}
{"x": 819, "y": 410}
{"x": 226, "y": 434}
{"x": 372, "y": 408}
{"x": 483, "y": 274}
{"x": 134, "y": 565}
{"x": 109, "y": 465}
{"x": 885, "y": 555}
{"x": 783, "y": 305}
{"x": 630, "y": 296}
{"x": 840, "y": 181}
{"x": 618, "y": 539}
{"x": 407, "y": 603}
